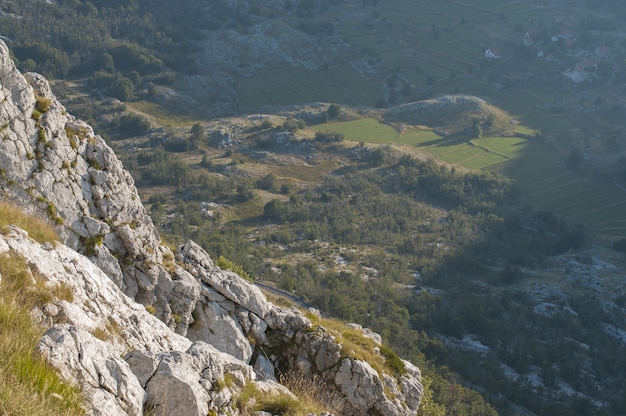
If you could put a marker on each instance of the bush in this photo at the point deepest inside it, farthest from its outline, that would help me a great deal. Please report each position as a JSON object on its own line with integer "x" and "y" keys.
{"x": 42, "y": 104}
{"x": 121, "y": 88}
{"x": 329, "y": 137}
{"x": 134, "y": 124}
{"x": 226, "y": 264}
{"x": 333, "y": 111}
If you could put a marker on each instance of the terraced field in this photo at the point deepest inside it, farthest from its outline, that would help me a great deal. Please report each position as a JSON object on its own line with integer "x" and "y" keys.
{"x": 537, "y": 169}
{"x": 433, "y": 45}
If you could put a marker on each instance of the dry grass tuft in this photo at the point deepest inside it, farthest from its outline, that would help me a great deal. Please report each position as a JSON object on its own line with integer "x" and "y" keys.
{"x": 38, "y": 229}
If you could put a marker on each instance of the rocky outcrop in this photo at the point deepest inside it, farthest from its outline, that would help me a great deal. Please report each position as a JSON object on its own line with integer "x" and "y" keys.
{"x": 56, "y": 165}
{"x": 146, "y": 328}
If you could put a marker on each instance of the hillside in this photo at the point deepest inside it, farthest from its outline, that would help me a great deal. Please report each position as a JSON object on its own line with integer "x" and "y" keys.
{"x": 446, "y": 263}
{"x": 142, "y": 329}
{"x": 467, "y": 208}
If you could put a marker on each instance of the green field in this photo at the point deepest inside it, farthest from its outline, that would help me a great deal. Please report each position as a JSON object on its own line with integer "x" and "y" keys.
{"x": 370, "y": 130}
{"x": 366, "y": 129}
{"x": 537, "y": 169}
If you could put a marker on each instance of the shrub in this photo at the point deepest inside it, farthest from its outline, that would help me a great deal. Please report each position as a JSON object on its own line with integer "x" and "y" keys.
{"x": 226, "y": 264}
{"x": 42, "y": 104}
{"x": 333, "y": 111}
{"x": 134, "y": 124}
{"x": 36, "y": 115}
{"x": 91, "y": 243}
{"x": 393, "y": 361}
{"x": 328, "y": 137}
{"x": 121, "y": 88}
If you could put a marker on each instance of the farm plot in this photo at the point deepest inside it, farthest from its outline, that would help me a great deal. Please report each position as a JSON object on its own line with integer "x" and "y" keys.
{"x": 581, "y": 199}
{"x": 368, "y": 130}
{"x": 536, "y": 168}
{"x": 543, "y": 181}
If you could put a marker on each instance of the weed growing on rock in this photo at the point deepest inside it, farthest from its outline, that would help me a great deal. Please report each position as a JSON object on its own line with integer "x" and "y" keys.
{"x": 42, "y": 104}
{"x": 27, "y": 384}
{"x": 226, "y": 264}
{"x": 37, "y": 228}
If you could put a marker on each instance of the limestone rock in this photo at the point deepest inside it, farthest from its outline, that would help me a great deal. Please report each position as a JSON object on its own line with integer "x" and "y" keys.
{"x": 59, "y": 168}
{"x": 109, "y": 386}
{"x": 175, "y": 388}
{"x": 360, "y": 383}
{"x": 131, "y": 293}
{"x": 216, "y": 326}
{"x": 227, "y": 283}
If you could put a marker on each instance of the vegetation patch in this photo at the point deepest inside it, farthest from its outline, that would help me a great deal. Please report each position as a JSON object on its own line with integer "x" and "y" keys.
{"x": 368, "y": 130}
{"x": 355, "y": 345}
{"x": 27, "y": 384}
{"x": 309, "y": 396}
{"x": 225, "y": 264}
{"x": 91, "y": 243}
{"x": 37, "y": 228}
{"x": 42, "y": 104}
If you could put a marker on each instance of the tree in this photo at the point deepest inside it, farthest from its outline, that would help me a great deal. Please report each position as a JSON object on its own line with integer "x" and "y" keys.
{"x": 121, "y": 88}
{"x": 333, "y": 111}
{"x": 134, "y": 124}
{"x": 197, "y": 132}
{"x": 105, "y": 62}
{"x": 268, "y": 182}
{"x": 274, "y": 210}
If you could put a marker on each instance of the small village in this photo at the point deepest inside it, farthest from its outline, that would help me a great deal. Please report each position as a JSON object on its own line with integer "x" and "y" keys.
{"x": 578, "y": 60}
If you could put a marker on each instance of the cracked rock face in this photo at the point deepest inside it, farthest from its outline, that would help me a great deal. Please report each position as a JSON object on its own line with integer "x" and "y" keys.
{"x": 148, "y": 329}
{"x": 59, "y": 168}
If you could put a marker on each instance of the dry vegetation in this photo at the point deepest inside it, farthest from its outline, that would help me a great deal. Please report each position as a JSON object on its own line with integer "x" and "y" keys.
{"x": 38, "y": 229}
{"x": 27, "y": 385}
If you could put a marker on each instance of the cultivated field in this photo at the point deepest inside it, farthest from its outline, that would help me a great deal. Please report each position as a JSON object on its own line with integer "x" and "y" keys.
{"x": 537, "y": 169}
{"x": 433, "y": 45}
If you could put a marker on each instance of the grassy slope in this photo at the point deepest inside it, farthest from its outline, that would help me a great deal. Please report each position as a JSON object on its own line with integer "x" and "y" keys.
{"x": 27, "y": 385}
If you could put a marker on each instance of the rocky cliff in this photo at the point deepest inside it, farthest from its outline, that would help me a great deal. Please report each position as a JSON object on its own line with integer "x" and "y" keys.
{"x": 149, "y": 329}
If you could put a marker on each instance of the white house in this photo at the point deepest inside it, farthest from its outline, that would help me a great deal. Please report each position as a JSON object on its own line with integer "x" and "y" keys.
{"x": 492, "y": 53}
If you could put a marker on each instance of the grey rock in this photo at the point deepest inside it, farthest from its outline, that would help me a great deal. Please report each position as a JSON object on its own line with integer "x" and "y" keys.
{"x": 138, "y": 296}
{"x": 360, "y": 383}
{"x": 227, "y": 283}
{"x": 215, "y": 325}
{"x": 175, "y": 388}
{"x": 109, "y": 386}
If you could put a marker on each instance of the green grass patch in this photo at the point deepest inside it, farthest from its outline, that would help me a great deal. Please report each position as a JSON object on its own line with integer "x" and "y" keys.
{"x": 368, "y": 130}
{"x": 418, "y": 137}
{"x": 305, "y": 173}
{"x": 167, "y": 115}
